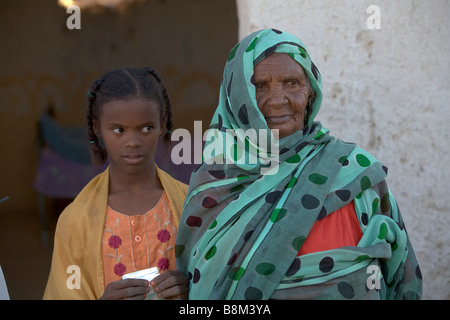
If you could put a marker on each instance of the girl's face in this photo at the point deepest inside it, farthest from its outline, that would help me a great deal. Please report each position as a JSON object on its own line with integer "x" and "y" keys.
{"x": 130, "y": 130}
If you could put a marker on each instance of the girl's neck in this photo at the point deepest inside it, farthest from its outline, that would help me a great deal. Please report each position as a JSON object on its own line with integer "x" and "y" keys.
{"x": 120, "y": 180}
{"x": 134, "y": 194}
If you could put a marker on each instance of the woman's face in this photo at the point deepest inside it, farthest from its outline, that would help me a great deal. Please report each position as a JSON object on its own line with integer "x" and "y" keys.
{"x": 130, "y": 130}
{"x": 282, "y": 90}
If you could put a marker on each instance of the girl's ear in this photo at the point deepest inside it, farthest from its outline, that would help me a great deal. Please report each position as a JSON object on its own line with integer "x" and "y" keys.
{"x": 96, "y": 127}
{"x": 163, "y": 126}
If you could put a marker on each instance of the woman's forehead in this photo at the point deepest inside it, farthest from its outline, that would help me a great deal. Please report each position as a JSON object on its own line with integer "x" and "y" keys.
{"x": 279, "y": 63}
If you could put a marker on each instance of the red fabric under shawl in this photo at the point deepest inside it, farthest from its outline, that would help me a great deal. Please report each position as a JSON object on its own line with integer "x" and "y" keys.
{"x": 338, "y": 229}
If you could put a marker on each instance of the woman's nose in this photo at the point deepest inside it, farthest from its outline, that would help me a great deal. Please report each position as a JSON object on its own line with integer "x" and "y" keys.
{"x": 276, "y": 97}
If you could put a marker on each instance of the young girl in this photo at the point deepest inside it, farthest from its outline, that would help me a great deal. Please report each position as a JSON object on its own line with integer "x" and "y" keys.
{"x": 126, "y": 218}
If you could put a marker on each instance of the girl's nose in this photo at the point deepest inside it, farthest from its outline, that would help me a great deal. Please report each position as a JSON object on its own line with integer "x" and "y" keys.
{"x": 133, "y": 141}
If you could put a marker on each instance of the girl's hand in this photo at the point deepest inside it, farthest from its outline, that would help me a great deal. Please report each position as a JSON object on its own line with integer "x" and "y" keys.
{"x": 171, "y": 285}
{"x": 131, "y": 289}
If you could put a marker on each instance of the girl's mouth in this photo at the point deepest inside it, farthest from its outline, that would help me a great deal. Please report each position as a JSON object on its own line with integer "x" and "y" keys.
{"x": 133, "y": 158}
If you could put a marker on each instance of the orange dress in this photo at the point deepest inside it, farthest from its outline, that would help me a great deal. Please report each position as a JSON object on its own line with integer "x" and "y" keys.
{"x": 132, "y": 243}
{"x": 338, "y": 229}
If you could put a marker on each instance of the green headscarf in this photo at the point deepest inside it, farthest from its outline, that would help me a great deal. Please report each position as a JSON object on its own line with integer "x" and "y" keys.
{"x": 243, "y": 224}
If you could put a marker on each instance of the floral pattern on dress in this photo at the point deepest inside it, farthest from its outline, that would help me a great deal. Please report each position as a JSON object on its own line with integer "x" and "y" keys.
{"x": 163, "y": 236}
{"x": 115, "y": 242}
{"x": 132, "y": 243}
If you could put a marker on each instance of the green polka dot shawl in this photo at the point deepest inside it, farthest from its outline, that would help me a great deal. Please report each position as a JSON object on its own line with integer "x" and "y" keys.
{"x": 241, "y": 229}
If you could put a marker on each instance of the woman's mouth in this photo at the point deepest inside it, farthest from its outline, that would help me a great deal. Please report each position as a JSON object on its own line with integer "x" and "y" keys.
{"x": 276, "y": 120}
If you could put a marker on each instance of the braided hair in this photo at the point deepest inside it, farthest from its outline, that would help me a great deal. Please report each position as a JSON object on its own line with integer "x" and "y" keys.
{"x": 126, "y": 84}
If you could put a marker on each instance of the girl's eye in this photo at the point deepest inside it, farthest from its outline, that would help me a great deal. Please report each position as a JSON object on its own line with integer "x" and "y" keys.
{"x": 118, "y": 130}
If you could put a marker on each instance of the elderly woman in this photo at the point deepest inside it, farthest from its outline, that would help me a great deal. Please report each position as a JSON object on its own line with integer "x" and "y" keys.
{"x": 321, "y": 224}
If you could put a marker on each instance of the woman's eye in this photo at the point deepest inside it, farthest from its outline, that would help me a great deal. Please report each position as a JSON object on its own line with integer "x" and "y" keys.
{"x": 259, "y": 86}
{"x": 118, "y": 130}
{"x": 293, "y": 82}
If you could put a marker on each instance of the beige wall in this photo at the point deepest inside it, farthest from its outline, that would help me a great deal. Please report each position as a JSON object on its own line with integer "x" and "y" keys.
{"x": 43, "y": 62}
{"x": 387, "y": 90}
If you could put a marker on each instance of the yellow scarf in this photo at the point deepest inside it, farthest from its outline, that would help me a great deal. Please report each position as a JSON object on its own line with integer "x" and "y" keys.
{"x": 77, "y": 248}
